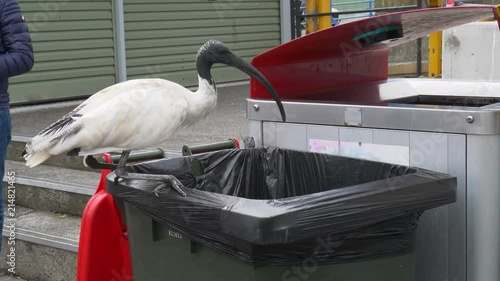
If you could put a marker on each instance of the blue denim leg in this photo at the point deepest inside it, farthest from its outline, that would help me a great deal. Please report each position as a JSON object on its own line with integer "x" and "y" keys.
{"x": 5, "y": 135}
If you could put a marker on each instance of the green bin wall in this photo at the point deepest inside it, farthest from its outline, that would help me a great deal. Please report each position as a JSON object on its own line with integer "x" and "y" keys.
{"x": 160, "y": 253}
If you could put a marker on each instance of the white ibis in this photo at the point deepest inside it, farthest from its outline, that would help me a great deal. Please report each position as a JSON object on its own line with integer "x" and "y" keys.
{"x": 137, "y": 114}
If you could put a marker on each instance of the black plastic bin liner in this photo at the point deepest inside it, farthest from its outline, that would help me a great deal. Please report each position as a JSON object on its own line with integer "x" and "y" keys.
{"x": 273, "y": 206}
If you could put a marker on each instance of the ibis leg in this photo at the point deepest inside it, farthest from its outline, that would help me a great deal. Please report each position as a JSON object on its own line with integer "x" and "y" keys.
{"x": 121, "y": 167}
{"x": 121, "y": 172}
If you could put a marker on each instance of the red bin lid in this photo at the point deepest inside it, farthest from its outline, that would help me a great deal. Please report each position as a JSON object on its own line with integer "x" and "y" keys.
{"x": 342, "y": 59}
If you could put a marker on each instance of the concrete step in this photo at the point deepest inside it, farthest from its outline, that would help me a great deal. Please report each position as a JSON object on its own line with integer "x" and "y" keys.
{"x": 48, "y": 188}
{"x": 42, "y": 245}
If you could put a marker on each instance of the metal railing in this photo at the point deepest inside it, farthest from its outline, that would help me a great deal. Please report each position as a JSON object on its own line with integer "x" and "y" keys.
{"x": 368, "y": 3}
{"x": 299, "y": 14}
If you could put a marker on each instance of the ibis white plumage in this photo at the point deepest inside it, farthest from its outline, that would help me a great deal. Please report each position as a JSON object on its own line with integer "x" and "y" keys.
{"x": 137, "y": 114}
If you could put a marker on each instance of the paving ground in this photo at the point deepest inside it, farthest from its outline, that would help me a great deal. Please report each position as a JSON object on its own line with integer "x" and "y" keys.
{"x": 228, "y": 120}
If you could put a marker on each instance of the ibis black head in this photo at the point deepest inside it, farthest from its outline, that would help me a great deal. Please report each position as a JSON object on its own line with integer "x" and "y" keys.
{"x": 216, "y": 52}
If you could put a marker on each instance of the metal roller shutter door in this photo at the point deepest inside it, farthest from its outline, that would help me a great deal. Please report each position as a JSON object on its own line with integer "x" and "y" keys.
{"x": 163, "y": 36}
{"x": 74, "y": 50}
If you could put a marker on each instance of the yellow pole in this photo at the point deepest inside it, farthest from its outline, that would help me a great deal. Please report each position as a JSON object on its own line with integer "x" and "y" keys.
{"x": 435, "y": 53}
{"x": 311, "y": 22}
{"x": 435, "y": 47}
{"x": 324, "y": 6}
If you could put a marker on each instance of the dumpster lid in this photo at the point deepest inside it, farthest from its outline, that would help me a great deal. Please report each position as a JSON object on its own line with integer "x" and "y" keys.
{"x": 352, "y": 54}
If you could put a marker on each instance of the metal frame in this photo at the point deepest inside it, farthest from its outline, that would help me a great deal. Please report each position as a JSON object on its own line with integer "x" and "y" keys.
{"x": 455, "y": 242}
{"x": 398, "y": 118}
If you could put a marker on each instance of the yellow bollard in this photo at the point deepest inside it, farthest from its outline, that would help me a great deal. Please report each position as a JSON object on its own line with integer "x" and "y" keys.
{"x": 435, "y": 53}
{"x": 324, "y": 6}
{"x": 435, "y": 47}
{"x": 311, "y": 22}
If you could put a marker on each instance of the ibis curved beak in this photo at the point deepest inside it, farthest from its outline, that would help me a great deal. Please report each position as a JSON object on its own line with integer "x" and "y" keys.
{"x": 242, "y": 65}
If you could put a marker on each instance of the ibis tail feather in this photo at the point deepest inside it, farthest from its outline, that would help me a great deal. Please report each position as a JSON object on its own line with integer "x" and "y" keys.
{"x": 35, "y": 159}
{"x": 57, "y": 138}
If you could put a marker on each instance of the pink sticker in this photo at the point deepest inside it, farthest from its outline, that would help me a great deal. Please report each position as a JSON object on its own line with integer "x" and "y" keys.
{"x": 323, "y": 146}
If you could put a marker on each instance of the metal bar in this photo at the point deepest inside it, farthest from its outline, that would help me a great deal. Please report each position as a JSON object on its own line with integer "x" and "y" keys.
{"x": 353, "y": 17}
{"x": 141, "y": 156}
{"x": 196, "y": 166}
{"x": 353, "y": 2}
{"x": 119, "y": 42}
{"x": 197, "y": 149}
{"x": 401, "y": 8}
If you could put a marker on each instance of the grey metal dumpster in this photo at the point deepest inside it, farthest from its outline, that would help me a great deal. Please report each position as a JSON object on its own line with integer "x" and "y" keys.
{"x": 338, "y": 100}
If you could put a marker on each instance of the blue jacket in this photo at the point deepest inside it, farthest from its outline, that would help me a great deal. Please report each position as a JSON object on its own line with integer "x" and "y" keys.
{"x": 16, "y": 50}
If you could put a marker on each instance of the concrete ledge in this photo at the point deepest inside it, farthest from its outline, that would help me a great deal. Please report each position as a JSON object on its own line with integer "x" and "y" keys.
{"x": 52, "y": 189}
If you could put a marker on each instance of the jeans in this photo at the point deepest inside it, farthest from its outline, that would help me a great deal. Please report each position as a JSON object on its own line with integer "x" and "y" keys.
{"x": 5, "y": 131}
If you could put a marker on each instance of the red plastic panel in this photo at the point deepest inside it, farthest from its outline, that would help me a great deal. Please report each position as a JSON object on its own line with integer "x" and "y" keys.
{"x": 320, "y": 63}
{"x": 103, "y": 251}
